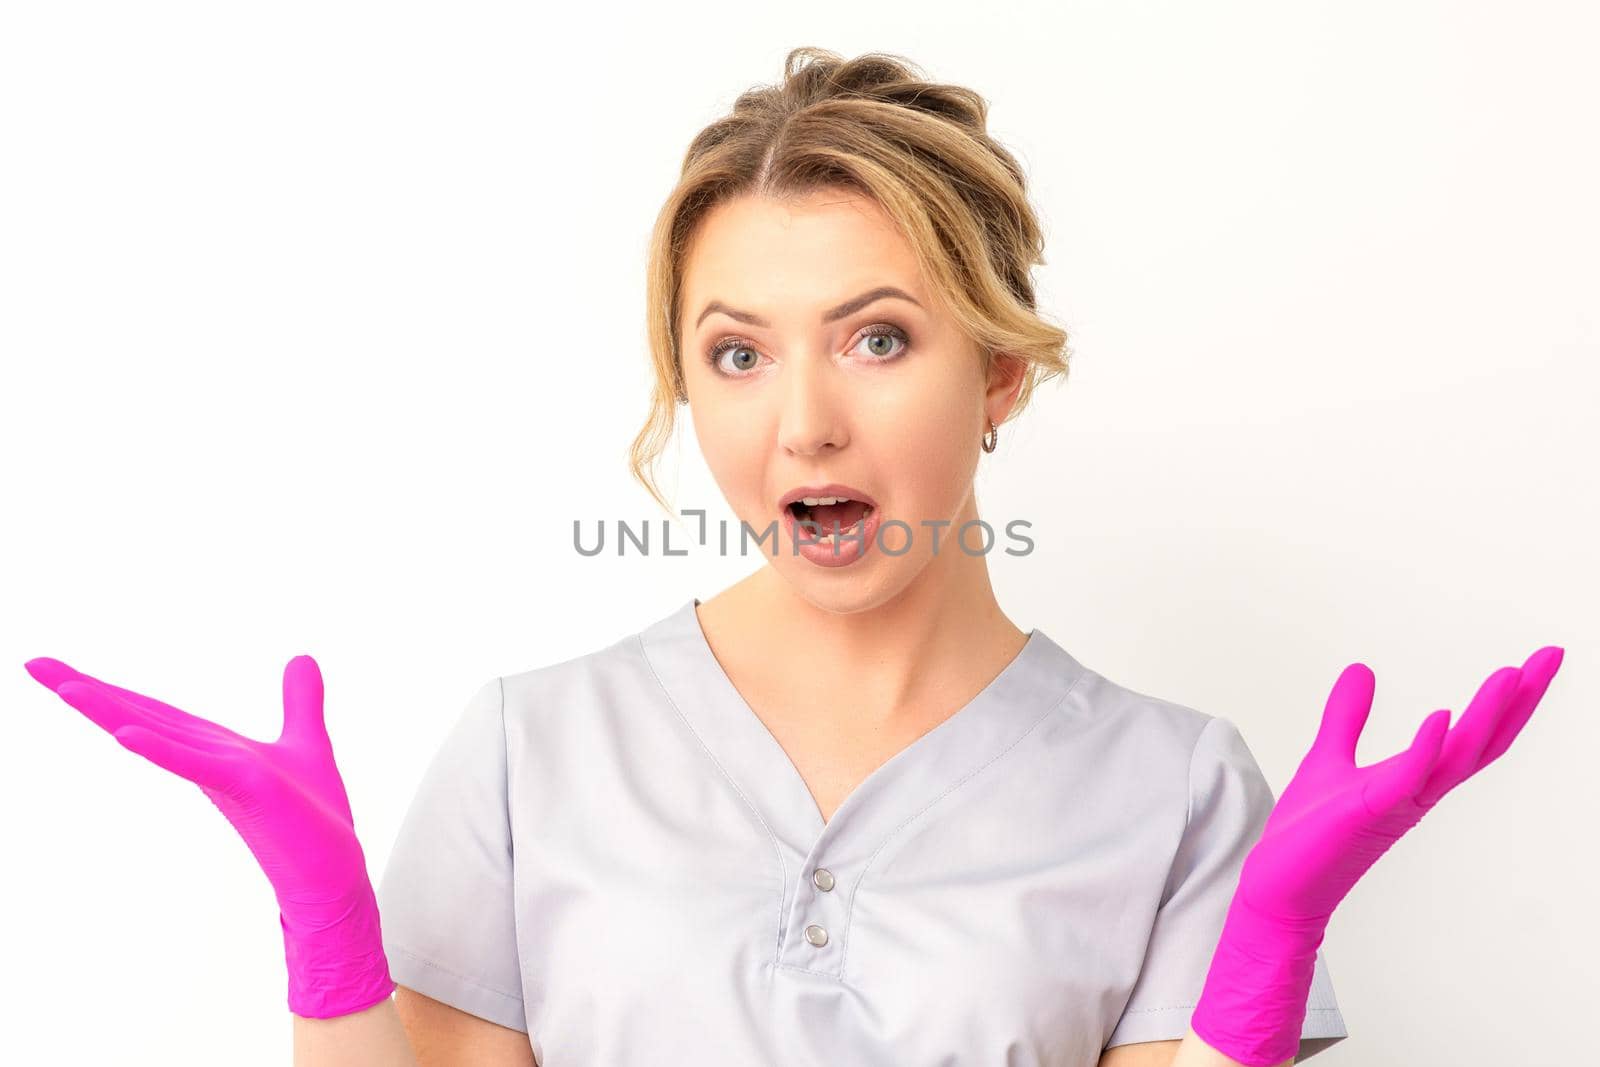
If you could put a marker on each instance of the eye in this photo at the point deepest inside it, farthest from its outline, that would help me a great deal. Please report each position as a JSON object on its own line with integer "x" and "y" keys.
{"x": 885, "y": 330}
{"x": 746, "y": 358}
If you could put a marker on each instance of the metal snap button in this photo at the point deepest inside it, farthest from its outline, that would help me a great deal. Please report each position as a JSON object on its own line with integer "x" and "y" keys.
{"x": 816, "y": 935}
{"x": 822, "y": 878}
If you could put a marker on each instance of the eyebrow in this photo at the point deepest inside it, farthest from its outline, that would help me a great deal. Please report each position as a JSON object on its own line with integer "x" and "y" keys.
{"x": 849, "y": 307}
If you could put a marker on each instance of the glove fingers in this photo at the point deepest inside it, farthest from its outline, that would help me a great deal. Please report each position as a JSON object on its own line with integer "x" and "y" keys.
{"x": 203, "y": 768}
{"x": 1402, "y": 777}
{"x": 1537, "y": 673}
{"x": 173, "y": 716}
{"x": 1465, "y": 743}
{"x": 1345, "y": 714}
{"x": 53, "y": 673}
{"x": 110, "y": 712}
{"x": 302, "y": 701}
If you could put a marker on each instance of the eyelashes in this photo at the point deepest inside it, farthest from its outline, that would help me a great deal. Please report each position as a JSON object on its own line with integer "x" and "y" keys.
{"x": 882, "y": 329}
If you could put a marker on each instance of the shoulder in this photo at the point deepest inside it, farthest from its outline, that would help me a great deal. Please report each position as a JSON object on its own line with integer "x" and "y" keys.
{"x": 615, "y": 673}
{"x": 1184, "y": 774}
{"x": 1167, "y": 749}
{"x": 1166, "y": 730}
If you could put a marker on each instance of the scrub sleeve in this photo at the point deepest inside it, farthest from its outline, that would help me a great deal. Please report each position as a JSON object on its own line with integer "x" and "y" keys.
{"x": 1229, "y": 801}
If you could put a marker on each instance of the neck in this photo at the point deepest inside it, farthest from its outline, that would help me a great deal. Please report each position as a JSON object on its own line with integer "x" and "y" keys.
{"x": 900, "y": 657}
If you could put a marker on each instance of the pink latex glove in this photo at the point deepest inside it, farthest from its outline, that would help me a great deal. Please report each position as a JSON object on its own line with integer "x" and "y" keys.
{"x": 1332, "y": 823}
{"x": 288, "y": 803}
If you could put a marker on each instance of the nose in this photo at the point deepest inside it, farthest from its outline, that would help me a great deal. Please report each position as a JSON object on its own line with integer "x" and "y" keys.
{"x": 811, "y": 417}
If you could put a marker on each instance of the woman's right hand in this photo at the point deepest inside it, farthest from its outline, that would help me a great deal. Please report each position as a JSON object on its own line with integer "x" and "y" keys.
{"x": 287, "y": 801}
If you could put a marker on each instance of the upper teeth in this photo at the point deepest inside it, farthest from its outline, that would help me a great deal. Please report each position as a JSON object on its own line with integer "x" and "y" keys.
{"x": 813, "y": 501}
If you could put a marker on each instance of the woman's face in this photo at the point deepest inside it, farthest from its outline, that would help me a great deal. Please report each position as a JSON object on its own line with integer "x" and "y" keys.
{"x": 886, "y": 396}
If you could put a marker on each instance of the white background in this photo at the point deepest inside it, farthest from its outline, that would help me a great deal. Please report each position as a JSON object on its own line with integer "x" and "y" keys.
{"x": 322, "y": 322}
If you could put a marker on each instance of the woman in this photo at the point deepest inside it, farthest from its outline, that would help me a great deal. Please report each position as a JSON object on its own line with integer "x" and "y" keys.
{"x": 844, "y": 811}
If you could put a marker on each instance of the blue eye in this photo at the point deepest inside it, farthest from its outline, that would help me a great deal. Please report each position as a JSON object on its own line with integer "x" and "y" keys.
{"x": 746, "y": 357}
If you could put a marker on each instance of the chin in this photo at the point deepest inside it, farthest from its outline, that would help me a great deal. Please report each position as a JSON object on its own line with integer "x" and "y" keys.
{"x": 862, "y": 586}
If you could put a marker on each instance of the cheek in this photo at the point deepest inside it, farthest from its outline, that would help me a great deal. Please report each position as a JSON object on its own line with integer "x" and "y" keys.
{"x": 939, "y": 470}
{"x": 732, "y": 456}
{"x": 933, "y": 458}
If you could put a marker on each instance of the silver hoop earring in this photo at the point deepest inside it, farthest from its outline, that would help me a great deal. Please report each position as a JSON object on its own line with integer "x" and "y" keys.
{"x": 991, "y": 437}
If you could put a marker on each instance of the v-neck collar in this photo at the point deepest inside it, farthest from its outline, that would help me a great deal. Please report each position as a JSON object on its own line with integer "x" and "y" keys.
{"x": 936, "y": 763}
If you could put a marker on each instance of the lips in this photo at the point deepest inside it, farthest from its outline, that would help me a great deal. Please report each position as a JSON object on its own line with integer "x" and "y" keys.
{"x": 858, "y": 527}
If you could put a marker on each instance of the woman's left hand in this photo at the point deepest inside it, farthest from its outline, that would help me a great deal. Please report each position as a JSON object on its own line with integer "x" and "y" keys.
{"x": 1328, "y": 828}
{"x": 1335, "y": 819}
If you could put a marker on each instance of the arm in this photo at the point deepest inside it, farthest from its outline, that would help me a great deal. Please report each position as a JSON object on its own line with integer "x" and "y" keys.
{"x": 410, "y": 1030}
{"x": 372, "y": 1037}
{"x": 1190, "y": 1052}
{"x": 444, "y": 1036}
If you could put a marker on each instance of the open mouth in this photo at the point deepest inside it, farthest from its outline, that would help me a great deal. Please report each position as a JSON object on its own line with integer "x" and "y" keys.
{"x": 849, "y": 515}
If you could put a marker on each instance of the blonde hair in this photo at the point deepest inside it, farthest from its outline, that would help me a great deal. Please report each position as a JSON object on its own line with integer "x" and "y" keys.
{"x": 920, "y": 150}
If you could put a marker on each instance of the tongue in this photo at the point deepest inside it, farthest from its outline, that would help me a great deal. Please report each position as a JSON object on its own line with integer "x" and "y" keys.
{"x": 846, "y": 514}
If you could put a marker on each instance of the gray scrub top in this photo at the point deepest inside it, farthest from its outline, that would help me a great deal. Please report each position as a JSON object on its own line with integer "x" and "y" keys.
{"x": 614, "y": 855}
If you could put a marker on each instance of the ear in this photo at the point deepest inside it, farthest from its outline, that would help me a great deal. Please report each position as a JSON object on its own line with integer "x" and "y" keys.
{"x": 1006, "y": 372}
